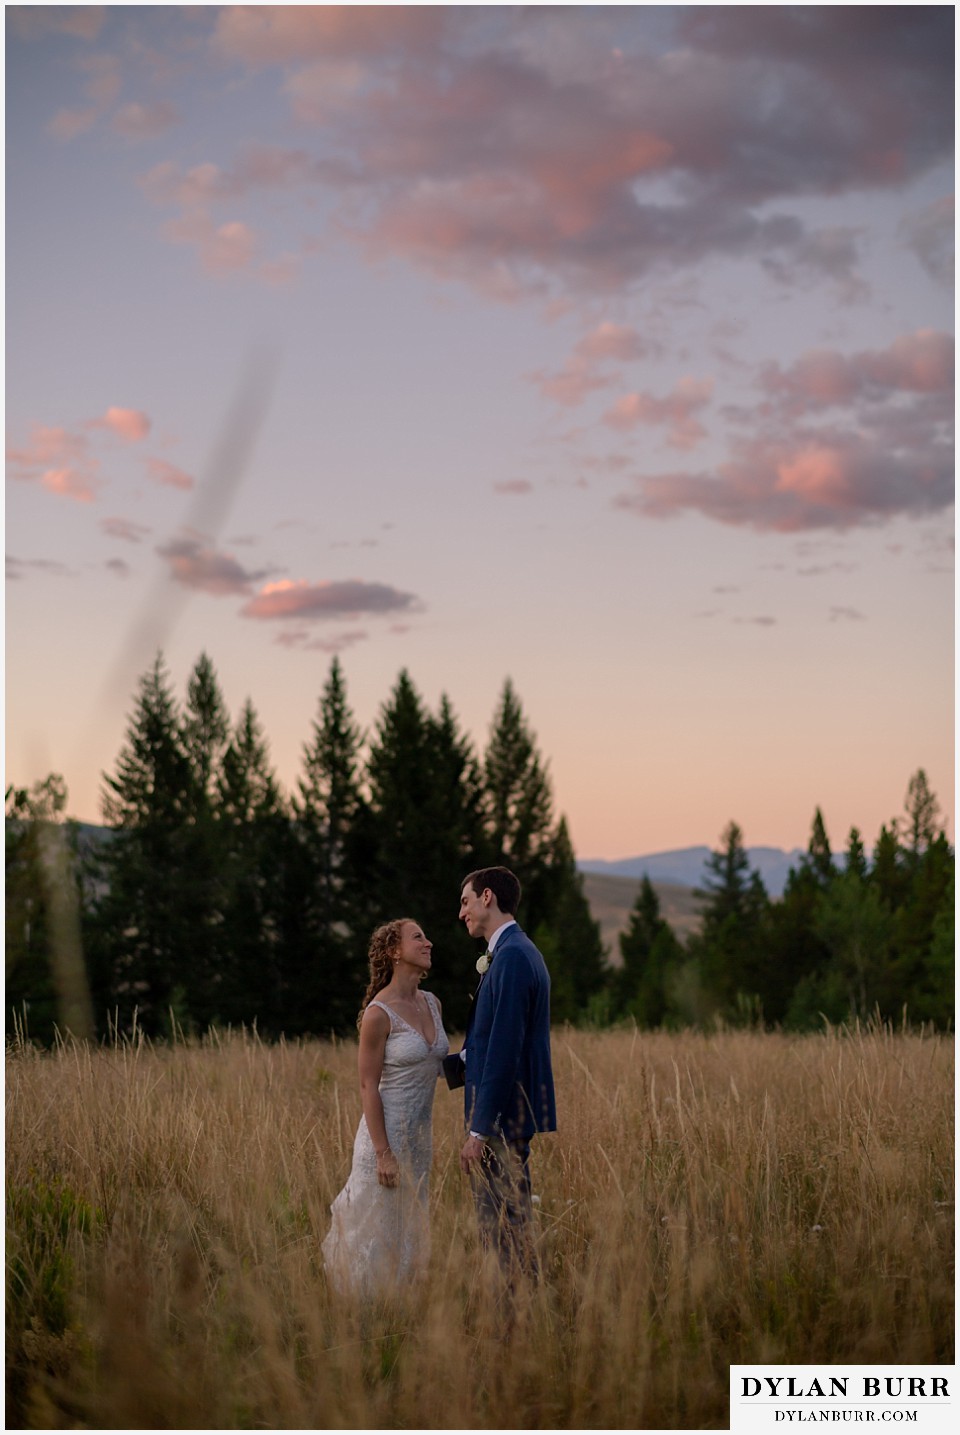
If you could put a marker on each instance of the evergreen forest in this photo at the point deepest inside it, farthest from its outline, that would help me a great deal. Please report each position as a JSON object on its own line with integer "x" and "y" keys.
{"x": 211, "y": 898}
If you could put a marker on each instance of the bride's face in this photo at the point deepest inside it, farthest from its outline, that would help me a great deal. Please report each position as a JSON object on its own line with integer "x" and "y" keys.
{"x": 414, "y": 948}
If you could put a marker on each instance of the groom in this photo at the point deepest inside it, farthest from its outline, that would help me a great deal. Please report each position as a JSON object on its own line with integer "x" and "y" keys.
{"x": 508, "y": 1079}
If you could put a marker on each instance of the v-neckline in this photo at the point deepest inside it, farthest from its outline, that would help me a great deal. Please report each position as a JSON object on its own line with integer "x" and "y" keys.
{"x": 410, "y": 1026}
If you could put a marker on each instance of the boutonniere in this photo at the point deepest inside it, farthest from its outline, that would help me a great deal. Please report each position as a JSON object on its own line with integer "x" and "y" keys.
{"x": 484, "y": 962}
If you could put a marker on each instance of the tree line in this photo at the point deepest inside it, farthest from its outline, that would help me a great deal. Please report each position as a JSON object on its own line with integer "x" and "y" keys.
{"x": 212, "y": 898}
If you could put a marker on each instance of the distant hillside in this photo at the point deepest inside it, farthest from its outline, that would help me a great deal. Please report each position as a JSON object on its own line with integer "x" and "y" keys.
{"x": 685, "y": 867}
{"x": 611, "y": 899}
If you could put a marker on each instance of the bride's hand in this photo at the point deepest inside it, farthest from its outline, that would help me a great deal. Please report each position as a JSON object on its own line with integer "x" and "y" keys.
{"x": 388, "y": 1169}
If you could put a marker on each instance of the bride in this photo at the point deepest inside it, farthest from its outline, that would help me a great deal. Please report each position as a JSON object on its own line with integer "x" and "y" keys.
{"x": 380, "y": 1233}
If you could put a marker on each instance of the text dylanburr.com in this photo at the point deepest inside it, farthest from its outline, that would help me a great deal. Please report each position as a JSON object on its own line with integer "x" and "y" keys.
{"x": 780, "y": 1398}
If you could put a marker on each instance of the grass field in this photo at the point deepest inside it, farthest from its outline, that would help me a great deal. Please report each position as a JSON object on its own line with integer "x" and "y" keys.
{"x": 709, "y": 1199}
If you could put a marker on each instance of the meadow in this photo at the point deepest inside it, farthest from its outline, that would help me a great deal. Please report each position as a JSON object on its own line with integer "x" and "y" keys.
{"x": 710, "y": 1199}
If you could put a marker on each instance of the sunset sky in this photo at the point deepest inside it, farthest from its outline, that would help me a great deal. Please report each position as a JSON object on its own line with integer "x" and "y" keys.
{"x": 609, "y": 349}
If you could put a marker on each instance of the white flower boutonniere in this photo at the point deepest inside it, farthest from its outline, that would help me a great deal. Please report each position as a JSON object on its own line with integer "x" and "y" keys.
{"x": 484, "y": 962}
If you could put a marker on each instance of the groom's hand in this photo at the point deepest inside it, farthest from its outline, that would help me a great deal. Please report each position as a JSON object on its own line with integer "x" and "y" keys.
{"x": 471, "y": 1151}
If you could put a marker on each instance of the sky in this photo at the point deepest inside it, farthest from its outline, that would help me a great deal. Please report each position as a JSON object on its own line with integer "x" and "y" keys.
{"x": 608, "y": 349}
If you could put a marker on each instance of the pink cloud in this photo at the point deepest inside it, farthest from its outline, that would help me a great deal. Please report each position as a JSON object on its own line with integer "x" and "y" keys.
{"x": 325, "y": 90}
{"x": 918, "y": 363}
{"x": 350, "y": 597}
{"x": 299, "y": 639}
{"x": 197, "y": 188}
{"x": 675, "y": 410}
{"x": 806, "y": 482}
{"x": 101, "y": 89}
{"x": 167, "y": 473}
{"x": 196, "y": 565}
{"x": 48, "y": 444}
{"x": 68, "y": 124}
{"x": 137, "y": 122}
{"x": 72, "y": 483}
{"x": 129, "y": 424}
{"x": 921, "y": 363}
{"x": 580, "y": 375}
{"x": 84, "y": 22}
{"x": 268, "y": 35}
{"x": 513, "y": 486}
{"x": 612, "y": 341}
{"x": 572, "y": 384}
{"x": 221, "y": 249}
{"x": 125, "y": 529}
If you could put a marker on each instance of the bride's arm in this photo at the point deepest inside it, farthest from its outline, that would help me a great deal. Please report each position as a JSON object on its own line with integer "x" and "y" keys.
{"x": 374, "y": 1030}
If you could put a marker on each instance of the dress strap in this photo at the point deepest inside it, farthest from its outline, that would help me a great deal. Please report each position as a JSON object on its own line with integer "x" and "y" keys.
{"x": 383, "y": 1007}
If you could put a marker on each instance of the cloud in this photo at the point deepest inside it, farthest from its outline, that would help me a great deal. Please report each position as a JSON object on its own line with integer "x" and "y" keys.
{"x": 300, "y": 638}
{"x": 594, "y": 175}
{"x": 195, "y": 565}
{"x": 612, "y": 341}
{"x": 519, "y": 153}
{"x": 69, "y": 482}
{"x": 102, "y": 86}
{"x": 168, "y": 474}
{"x": 918, "y": 363}
{"x": 129, "y": 424}
{"x": 846, "y": 615}
{"x": 16, "y": 566}
{"x": 258, "y": 35}
{"x": 581, "y": 373}
{"x": 675, "y": 411}
{"x": 837, "y": 479}
{"x": 138, "y": 122}
{"x": 348, "y": 598}
{"x": 48, "y": 444}
{"x": 124, "y": 529}
{"x": 66, "y": 125}
{"x": 221, "y": 249}
{"x": 83, "y": 22}
{"x": 118, "y": 566}
{"x": 930, "y": 234}
{"x": 513, "y": 486}
{"x": 59, "y": 461}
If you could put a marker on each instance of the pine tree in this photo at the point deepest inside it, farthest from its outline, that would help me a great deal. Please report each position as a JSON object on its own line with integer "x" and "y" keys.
{"x": 333, "y": 885}
{"x": 47, "y": 986}
{"x": 255, "y": 841}
{"x": 520, "y": 805}
{"x": 579, "y": 970}
{"x": 143, "y": 928}
{"x": 518, "y": 788}
{"x": 426, "y": 811}
{"x": 651, "y": 953}
{"x": 922, "y": 810}
{"x": 206, "y": 729}
{"x": 819, "y": 858}
{"x": 855, "y": 928}
{"x": 732, "y": 946}
{"x": 856, "y": 859}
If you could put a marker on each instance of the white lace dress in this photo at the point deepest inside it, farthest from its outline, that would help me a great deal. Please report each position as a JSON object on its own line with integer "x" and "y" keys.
{"x": 380, "y": 1235}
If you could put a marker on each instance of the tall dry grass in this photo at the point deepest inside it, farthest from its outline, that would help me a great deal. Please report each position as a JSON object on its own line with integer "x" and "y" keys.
{"x": 708, "y": 1200}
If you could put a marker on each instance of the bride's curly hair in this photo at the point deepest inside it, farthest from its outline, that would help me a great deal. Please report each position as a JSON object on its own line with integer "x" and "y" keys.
{"x": 384, "y": 945}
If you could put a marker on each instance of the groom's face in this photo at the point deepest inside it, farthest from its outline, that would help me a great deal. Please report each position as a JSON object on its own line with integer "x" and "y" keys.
{"x": 474, "y": 912}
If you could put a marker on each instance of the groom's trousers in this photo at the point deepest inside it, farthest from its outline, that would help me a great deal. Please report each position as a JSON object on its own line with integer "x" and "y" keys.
{"x": 501, "y": 1194}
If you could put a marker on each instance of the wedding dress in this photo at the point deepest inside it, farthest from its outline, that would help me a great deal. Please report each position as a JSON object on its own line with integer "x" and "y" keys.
{"x": 380, "y": 1235}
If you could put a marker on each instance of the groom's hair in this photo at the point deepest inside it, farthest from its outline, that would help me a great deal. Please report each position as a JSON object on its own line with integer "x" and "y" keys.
{"x": 502, "y": 883}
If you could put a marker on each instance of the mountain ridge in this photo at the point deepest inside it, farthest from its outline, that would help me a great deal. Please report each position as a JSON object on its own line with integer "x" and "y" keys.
{"x": 686, "y": 866}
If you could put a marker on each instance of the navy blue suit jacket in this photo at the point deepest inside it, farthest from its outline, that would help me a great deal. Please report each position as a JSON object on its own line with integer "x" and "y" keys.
{"x": 509, "y": 1079}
